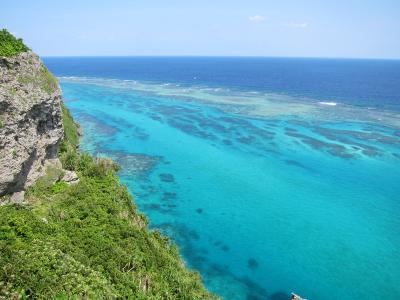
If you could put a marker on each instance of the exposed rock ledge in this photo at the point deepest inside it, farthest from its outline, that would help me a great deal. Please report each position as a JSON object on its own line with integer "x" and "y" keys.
{"x": 30, "y": 121}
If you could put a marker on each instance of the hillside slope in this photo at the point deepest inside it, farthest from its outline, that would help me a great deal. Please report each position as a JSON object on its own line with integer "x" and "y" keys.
{"x": 69, "y": 237}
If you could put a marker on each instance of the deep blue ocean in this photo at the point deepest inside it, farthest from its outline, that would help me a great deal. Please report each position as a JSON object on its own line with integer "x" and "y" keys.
{"x": 272, "y": 175}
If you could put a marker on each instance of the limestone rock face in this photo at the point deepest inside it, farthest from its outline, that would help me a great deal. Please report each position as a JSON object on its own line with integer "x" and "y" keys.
{"x": 70, "y": 177}
{"x": 31, "y": 126}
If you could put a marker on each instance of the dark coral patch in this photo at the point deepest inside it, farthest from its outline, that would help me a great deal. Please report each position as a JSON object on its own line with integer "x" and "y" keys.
{"x": 252, "y": 264}
{"x": 166, "y": 177}
{"x": 199, "y": 210}
{"x": 225, "y": 248}
{"x": 174, "y": 110}
{"x": 168, "y": 196}
{"x": 289, "y": 129}
{"x": 370, "y": 152}
{"x": 187, "y": 127}
{"x": 235, "y": 121}
{"x": 156, "y": 118}
{"x": 246, "y": 140}
{"x": 153, "y": 206}
{"x": 164, "y": 209}
{"x": 332, "y": 148}
{"x": 265, "y": 134}
{"x": 299, "y": 123}
{"x": 297, "y": 164}
{"x": 192, "y": 234}
{"x": 208, "y": 123}
{"x": 101, "y": 127}
{"x": 360, "y": 135}
{"x": 227, "y": 142}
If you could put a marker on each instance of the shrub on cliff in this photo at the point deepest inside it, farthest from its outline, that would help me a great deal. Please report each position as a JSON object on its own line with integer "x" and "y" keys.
{"x": 10, "y": 45}
{"x": 87, "y": 241}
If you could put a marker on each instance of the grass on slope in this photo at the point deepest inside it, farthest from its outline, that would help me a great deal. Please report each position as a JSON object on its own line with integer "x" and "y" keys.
{"x": 70, "y": 129}
{"x": 10, "y": 45}
{"x": 43, "y": 79}
{"x": 87, "y": 241}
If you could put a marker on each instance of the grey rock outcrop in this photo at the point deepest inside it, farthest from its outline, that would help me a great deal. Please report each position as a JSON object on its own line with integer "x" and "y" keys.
{"x": 18, "y": 197}
{"x": 70, "y": 177}
{"x": 30, "y": 121}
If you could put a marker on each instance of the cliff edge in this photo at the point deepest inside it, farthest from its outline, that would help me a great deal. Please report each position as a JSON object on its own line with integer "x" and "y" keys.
{"x": 70, "y": 237}
{"x": 31, "y": 127}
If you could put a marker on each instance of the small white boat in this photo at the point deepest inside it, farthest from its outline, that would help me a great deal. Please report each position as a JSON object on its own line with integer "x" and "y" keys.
{"x": 296, "y": 297}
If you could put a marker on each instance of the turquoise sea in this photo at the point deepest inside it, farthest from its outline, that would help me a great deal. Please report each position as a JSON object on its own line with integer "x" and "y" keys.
{"x": 267, "y": 186}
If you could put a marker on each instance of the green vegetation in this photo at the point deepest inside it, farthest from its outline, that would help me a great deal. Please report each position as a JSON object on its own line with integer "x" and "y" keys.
{"x": 71, "y": 135}
{"x": 1, "y": 122}
{"x": 44, "y": 79}
{"x": 87, "y": 241}
{"x": 10, "y": 45}
{"x": 48, "y": 81}
{"x": 68, "y": 154}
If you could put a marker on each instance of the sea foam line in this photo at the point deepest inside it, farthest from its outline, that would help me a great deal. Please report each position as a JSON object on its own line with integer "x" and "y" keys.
{"x": 327, "y": 103}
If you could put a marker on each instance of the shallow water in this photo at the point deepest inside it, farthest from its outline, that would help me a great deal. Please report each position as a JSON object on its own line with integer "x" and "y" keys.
{"x": 263, "y": 193}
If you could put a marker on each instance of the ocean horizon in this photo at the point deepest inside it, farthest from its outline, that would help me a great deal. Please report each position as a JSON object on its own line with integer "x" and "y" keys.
{"x": 272, "y": 175}
{"x": 222, "y": 56}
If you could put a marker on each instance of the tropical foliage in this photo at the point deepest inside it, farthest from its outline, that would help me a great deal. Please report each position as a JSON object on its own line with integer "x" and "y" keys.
{"x": 87, "y": 241}
{"x": 10, "y": 45}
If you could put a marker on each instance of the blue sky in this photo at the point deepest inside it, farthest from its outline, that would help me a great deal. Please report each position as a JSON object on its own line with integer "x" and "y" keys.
{"x": 308, "y": 28}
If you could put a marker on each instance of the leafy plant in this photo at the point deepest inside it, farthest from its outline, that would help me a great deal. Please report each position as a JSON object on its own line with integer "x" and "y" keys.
{"x": 87, "y": 241}
{"x": 10, "y": 45}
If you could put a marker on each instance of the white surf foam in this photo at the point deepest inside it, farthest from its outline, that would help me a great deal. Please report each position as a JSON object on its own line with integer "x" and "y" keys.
{"x": 328, "y": 103}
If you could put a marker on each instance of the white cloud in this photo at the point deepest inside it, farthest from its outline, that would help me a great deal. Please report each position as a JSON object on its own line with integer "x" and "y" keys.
{"x": 257, "y": 18}
{"x": 298, "y": 25}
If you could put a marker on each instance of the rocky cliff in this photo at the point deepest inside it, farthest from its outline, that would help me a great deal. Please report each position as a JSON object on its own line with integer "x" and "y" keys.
{"x": 72, "y": 237}
{"x": 31, "y": 127}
